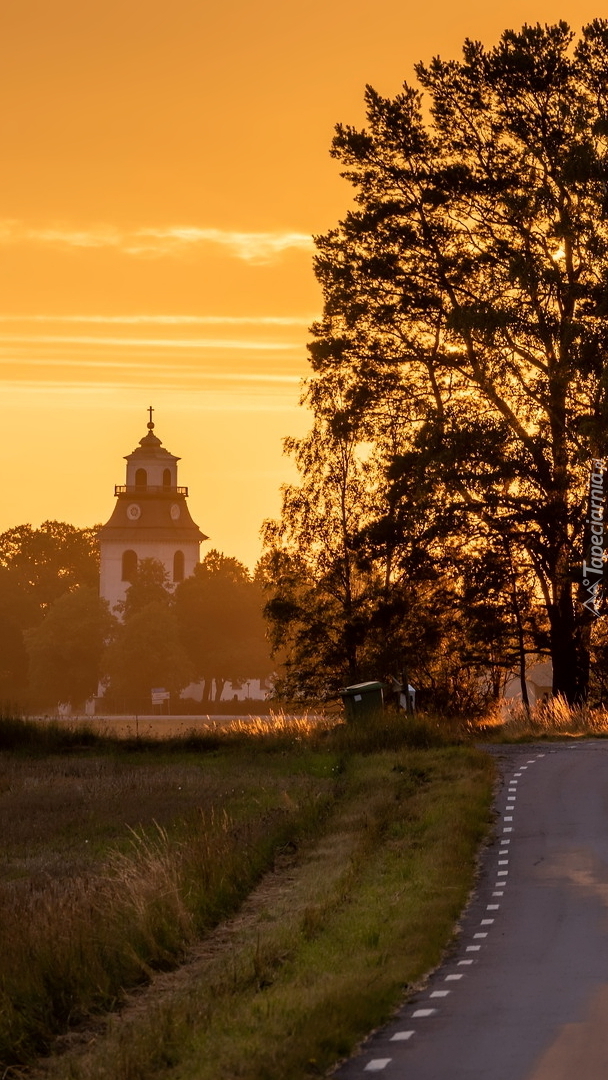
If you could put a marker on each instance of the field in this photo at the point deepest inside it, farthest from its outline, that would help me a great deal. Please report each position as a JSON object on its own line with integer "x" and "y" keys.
{"x": 245, "y": 902}
{"x": 166, "y": 727}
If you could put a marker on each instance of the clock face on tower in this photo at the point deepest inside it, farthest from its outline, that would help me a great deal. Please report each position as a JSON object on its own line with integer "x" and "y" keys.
{"x": 133, "y": 511}
{"x": 175, "y": 511}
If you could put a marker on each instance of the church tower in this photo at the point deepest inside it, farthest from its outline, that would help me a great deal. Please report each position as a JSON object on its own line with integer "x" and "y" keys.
{"x": 150, "y": 520}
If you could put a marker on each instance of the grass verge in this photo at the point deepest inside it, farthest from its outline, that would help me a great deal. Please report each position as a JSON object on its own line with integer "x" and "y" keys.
{"x": 552, "y": 719}
{"x": 114, "y": 862}
{"x": 324, "y": 950}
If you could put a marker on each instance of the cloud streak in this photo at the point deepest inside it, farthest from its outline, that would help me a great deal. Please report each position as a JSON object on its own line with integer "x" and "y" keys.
{"x": 176, "y": 240}
{"x": 150, "y": 343}
{"x": 172, "y": 371}
{"x": 164, "y": 320}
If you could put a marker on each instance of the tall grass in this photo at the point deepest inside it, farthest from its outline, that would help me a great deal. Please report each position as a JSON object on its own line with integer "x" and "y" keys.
{"x": 548, "y": 719}
{"x": 70, "y": 945}
{"x": 43, "y": 738}
{"x": 388, "y": 730}
{"x": 273, "y": 732}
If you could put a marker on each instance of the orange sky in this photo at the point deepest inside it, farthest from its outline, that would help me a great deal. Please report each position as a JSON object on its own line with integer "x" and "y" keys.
{"x": 163, "y": 167}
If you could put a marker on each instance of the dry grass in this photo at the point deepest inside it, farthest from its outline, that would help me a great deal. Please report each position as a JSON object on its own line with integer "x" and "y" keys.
{"x": 113, "y": 865}
{"x": 551, "y": 719}
{"x": 165, "y": 728}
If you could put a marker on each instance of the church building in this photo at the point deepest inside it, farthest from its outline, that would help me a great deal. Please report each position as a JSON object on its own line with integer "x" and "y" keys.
{"x": 150, "y": 520}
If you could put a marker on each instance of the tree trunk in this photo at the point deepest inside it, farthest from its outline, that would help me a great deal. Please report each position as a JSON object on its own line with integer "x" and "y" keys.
{"x": 569, "y": 649}
{"x": 521, "y": 637}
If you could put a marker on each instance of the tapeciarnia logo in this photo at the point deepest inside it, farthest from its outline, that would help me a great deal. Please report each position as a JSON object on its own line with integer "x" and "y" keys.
{"x": 593, "y": 557}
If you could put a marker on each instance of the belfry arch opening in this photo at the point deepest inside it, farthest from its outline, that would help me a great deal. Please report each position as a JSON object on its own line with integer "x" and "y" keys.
{"x": 129, "y": 565}
{"x": 141, "y": 478}
{"x": 166, "y": 478}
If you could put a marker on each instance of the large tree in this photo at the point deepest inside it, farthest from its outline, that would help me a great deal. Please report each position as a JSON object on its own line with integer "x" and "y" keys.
{"x": 65, "y": 650}
{"x": 465, "y": 300}
{"x": 219, "y": 615}
{"x": 150, "y": 585}
{"x": 51, "y": 560}
{"x": 37, "y": 567}
{"x": 145, "y": 653}
{"x": 18, "y": 612}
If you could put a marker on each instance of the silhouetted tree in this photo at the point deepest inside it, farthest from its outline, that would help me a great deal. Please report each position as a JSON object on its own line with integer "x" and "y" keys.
{"x": 18, "y": 612}
{"x": 65, "y": 650}
{"x": 145, "y": 653}
{"x": 219, "y": 614}
{"x": 51, "y": 560}
{"x": 150, "y": 585}
{"x": 316, "y": 595}
{"x": 465, "y": 310}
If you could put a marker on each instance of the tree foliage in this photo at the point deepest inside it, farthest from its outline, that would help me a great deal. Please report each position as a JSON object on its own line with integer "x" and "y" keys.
{"x": 37, "y": 567}
{"x": 18, "y": 612}
{"x": 462, "y": 346}
{"x": 56, "y": 637}
{"x": 51, "y": 560}
{"x": 145, "y": 653}
{"x": 150, "y": 585}
{"x": 219, "y": 614}
{"x": 65, "y": 650}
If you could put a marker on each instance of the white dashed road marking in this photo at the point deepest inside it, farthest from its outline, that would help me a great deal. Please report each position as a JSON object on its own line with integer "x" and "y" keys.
{"x": 378, "y": 1064}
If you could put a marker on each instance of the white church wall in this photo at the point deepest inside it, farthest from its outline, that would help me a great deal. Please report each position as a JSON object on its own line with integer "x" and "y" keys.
{"x": 155, "y": 472}
{"x": 111, "y": 586}
{"x": 250, "y": 690}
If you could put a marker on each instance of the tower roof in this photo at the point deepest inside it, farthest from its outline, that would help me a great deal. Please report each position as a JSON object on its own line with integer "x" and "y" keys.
{"x": 150, "y": 448}
{"x": 151, "y": 506}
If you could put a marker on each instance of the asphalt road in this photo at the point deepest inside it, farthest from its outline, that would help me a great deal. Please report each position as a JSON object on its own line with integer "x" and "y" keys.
{"x": 525, "y": 994}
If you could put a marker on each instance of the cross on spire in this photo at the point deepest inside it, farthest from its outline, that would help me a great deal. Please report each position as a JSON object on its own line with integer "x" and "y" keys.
{"x": 150, "y": 424}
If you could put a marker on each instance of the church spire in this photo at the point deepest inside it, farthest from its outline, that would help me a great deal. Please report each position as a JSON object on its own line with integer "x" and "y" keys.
{"x": 150, "y": 520}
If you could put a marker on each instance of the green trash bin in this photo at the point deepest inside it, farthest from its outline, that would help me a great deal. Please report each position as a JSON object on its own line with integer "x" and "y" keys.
{"x": 363, "y": 700}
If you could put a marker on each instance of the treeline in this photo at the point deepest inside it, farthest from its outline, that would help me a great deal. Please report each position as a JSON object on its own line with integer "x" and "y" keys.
{"x": 459, "y": 385}
{"x": 59, "y": 640}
